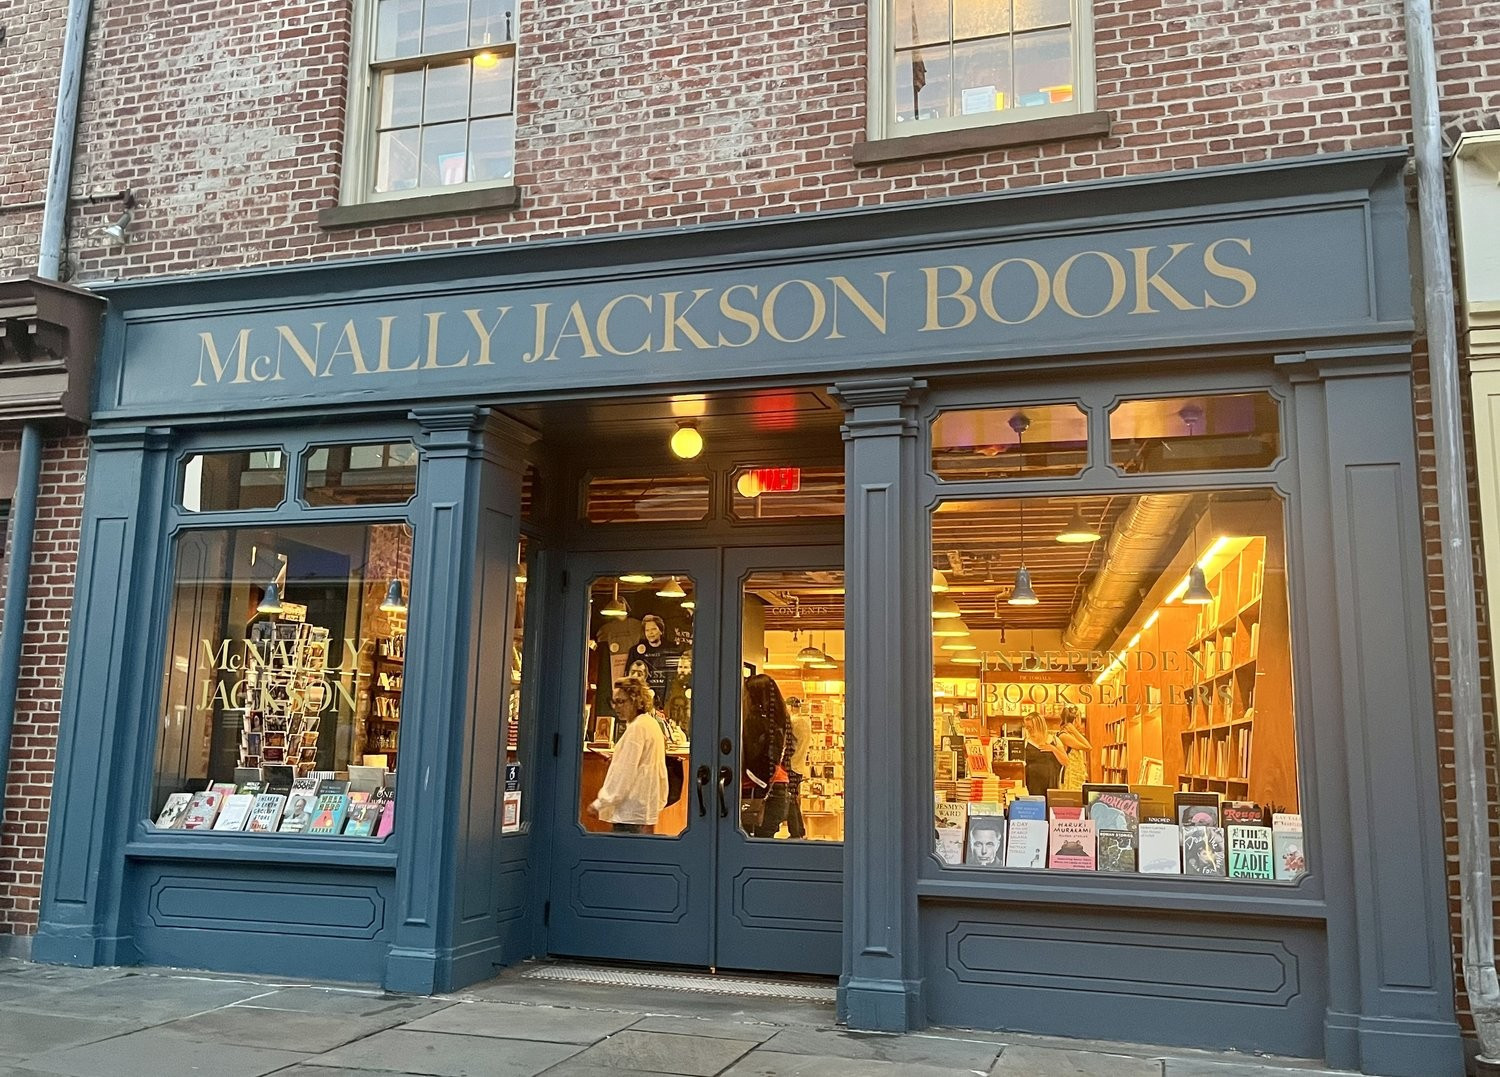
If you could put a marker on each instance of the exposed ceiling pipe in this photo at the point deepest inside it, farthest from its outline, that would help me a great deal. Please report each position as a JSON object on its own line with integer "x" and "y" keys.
{"x": 1132, "y": 561}
{"x": 1476, "y": 896}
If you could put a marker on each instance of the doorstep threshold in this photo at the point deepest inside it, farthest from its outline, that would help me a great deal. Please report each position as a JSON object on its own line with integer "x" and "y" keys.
{"x": 705, "y": 983}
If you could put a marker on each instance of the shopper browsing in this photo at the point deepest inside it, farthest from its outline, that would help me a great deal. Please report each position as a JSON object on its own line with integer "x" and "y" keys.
{"x": 635, "y": 786}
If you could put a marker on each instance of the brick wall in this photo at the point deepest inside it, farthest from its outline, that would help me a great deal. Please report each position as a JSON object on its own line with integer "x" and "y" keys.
{"x": 28, "y": 786}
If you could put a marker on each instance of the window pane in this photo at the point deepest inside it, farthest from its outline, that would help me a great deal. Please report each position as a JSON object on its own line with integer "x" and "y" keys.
{"x": 284, "y": 664}
{"x": 443, "y": 155}
{"x": 374, "y": 474}
{"x": 398, "y": 28}
{"x": 1200, "y": 433}
{"x": 780, "y": 493}
{"x": 792, "y": 707}
{"x": 493, "y": 92}
{"x": 530, "y": 488}
{"x": 980, "y": 18}
{"x": 981, "y": 72}
{"x": 922, "y": 80}
{"x": 919, "y": 22}
{"x": 1144, "y": 685}
{"x": 492, "y": 149}
{"x": 491, "y": 22}
{"x": 400, "y": 98}
{"x": 514, "y": 809}
{"x": 1013, "y": 442}
{"x": 447, "y": 93}
{"x": 657, "y": 499}
{"x": 445, "y": 25}
{"x": 1044, "y": 68}
{"x": 218, "y": 481}
{"x": 638, "y": 715}
{"x": 396, "y": 160}
{"x": 1034, "y": 14}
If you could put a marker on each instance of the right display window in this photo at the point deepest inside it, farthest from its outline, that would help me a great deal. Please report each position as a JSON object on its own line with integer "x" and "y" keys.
{"x": 1112, "y": 685}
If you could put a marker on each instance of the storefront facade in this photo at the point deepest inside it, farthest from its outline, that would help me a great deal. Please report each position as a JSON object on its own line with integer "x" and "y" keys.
{"x": 1280, "y": 293}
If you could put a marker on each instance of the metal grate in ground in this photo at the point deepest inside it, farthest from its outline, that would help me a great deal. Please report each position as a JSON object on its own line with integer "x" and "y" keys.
{"x": 682, "y": 981}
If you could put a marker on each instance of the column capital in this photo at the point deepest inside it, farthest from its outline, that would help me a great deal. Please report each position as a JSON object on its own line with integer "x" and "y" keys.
{"x": 879, "y": 407}
{"x": 130, "y": 438}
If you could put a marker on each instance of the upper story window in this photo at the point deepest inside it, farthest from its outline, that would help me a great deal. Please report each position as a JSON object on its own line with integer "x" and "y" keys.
{"x": 433, "y": 98}
{"x": 940, "y": 65}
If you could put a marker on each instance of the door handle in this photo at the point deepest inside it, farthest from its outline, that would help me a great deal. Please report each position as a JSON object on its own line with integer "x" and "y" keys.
{"x": 725, "y": 776}
{"x": 705, "y": 775}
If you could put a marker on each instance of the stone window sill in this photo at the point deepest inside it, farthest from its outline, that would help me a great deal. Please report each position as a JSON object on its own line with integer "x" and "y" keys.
{"x": 428, "y": 205}
{"x": 979, "y": 139}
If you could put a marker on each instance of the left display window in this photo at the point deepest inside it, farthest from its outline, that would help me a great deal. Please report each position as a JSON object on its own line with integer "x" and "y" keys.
{"x": 282, "y": 682}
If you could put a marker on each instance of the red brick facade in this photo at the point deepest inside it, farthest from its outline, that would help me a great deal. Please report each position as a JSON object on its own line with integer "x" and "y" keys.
{"x": 228, "y": 114}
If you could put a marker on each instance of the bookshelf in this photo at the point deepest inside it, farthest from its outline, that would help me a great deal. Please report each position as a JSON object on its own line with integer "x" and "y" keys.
{"x": 387, "y": 675}
{"x": 1114, "y": 756}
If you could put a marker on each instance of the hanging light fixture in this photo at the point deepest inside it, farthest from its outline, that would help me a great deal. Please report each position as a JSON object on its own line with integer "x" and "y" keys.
{"x": 615, "y": 607}
{"x": 950, "y": 628}
{"x": 688, "y": 603}
{"x": 1021, "y": 594}
{"x": 939, "y": 581}
{"x": 639, "y": 579}
{"x": 1197, "y": 593}
{"x": 520, "y": 573}
{"x": 393, "y": 603}
{"x": 270, "y": 600}
{"x": 687, "y": 443}
{"x": 958, "y": 643}
{"x": 944, "y": 608}
{"x": 672, "y": 589}
{"x": 1077, "y": 530}
{"x": 827, "y": 661}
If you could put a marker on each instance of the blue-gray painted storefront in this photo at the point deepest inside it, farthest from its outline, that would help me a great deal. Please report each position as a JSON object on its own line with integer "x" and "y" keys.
{"x": 1292, "y": 277}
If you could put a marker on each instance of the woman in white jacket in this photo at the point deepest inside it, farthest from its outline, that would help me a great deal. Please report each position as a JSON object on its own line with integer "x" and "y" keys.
{"x": 635, "y": 786}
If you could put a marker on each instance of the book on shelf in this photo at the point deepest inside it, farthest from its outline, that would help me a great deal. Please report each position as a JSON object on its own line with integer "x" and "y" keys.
{"x": 984, "y": 807}
{"x": 362, "y": 820}
{"x": 1241, "y": 813}
{"x": 1072, "y": 845}
{"x": 202, "y": 810}
{"x": 1065, "y": 798}
{"x": 1199, "y": 808}
{"x": 949, "y": 844}
{"x": 387, "y": 824}
{"x": 329, "y": 813}
{"x": 265, "y": 813}
{"x": 1159, "y": 849}
{"x": 1288, "y": 847}
{"x": 1112, "y": 810}
{"x": 305, "y": 786}
{"x": 1029, "y": 807}
{"x": 224, "y": 788}
{"x": 243, "y": 776}
{"x": 333, "y": 787}
{"x": 1203, "y": 850}
{"x": 984, "y": 843}
{"x": 365, "y": 779}
{"x": 1066, "y": 812}
{"x": 297, "y": 815}
{"x": 1250, "y": 855}
{"x": 1026, "y": 842}
{"x": 949, "y": 813}
{"x": 1116, "y": 850}
{"x": 1155, "y": 799}
{"x": 278, "y": 779}
{"x": 235, "y": 812}
{"x": 170, "y": 817}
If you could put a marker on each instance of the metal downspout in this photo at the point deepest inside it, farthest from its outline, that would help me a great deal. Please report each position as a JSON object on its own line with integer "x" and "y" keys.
{"x": 1475, "y": 885}
{"x": 28, "y": 481}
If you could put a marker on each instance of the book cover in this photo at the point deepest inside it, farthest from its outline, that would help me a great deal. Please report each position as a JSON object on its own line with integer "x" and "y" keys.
{"x": 1289, "y": 853}
{"x": 985, "y": 846}
{"x": 173, "y": 810}
{"x": 1065, "y": 798}
{"x": 510, "y": 812}
{"x": 1111, "y": 810}
{"x": 224, "y": 789}
{"x": 265, "y": 813}
{"x": 202, "y": 810}
{"x": 387, "y": 824}
{"x": 1197, "y": 808}
{"x": 1091, "y": 790}
{"x": 333, "y": 787}
{"x": 1159, "y": 850}
{"x": 253, "y": 788}
{"x": 329, "y": 812}
{"x": 1289, "y": 821}
{"x": 1250, "y": 855}
{"x": 985, "y": 807}
{"x": 244, "y": 775}
{"x": 298, "y": 814}
{"x": 1203, "y": 850}
{"x": 949, "y": 844}
{"x": 1073, "y": 845}
{"x": 235, "y": 812}
{"x": 1029, "y": 808}
{"x": 278, "y": 779}
{"x": 1026, "y": 846}
{"x": 1116, "y": 850}
{"x": 950, "y": 813}
{"x": 305, "y": 786}
{"x": 364, "y": 779}
{"x": 1070, "y": 812}
{"x": 1241, "y": 813}
{"x": 362, "y": 820}
{"x": 1155, "y": 800}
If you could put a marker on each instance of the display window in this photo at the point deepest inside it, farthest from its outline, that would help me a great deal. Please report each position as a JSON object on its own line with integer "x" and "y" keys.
{"x": 513, "y": 812}
{"x": 646, "y": 499}
{"x": 982, "y": 443}
{"x": 235, "y": 479}
{"x": 376, "y": 473}
{"x": 1199, "y": 433}
{"x": 1112, "y": 686}
{"x": 283, "y": 679}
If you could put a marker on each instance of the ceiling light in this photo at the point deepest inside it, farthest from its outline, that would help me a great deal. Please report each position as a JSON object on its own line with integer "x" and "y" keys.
{"x": 672, "y": 589}
{"x": 689, "y": 604}
{"x": 393, "y": 601}
{"x": 1022, "y": 594}
{"x": 944, "y": 607}
{"x": 116, "y": 232}
{"x": 967, "y": 660}
{"x": 687, "y": 443}
{"x": 637, "y": 578}
{"x": 1197, "y": 593}
{"x": 521, "y": 574}
{"x": 615, "y": 607}
{"x": 1077, "y": 530}
{"x": 950, "y": 628}
{"x": 939, "y": 581}
{"x": 810, "y": 656}
{"x": 961, "y": 643}
{"x": 780, "y": 665}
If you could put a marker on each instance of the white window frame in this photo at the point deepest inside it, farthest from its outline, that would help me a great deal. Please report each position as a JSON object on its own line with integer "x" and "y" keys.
{"x": 881, "y": 123}
{"x": 357, "y": 180}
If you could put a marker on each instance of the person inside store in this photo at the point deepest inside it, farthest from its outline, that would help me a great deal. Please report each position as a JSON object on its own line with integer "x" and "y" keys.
{"x": 767, "y": 745}
{"x": 634, "y": 791}
{"x": 797, "y": 769}
{"x": 1044, "y": 756}
{"x": 1067, "y": 727}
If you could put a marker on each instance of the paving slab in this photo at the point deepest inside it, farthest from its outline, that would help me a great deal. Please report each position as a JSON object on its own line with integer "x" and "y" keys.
{"x": 963, "y": 1054}
{"x": 653, "y": 1002}
{"x": 544, "y": 1024}
{"x": 350, "y": 1003}
{"x": 1195, "y": 1067}
{"x": 586, "y": 1069}
{"x": 26, "y": 1034}
{"x": 309, "y": 1033}
{"x": 1017, "y": 1060}
{"x": 445, "y": 1054}
{"x": 57, "y": 977}
{"x": 151, "y": 1054}
{"x": 708, "y": 1026}
{"x": 305, "y": 1069}
{"x": 664, "y": 1052}
{"x": 763, "y": 1063}
{"x": 145, "y": 1000}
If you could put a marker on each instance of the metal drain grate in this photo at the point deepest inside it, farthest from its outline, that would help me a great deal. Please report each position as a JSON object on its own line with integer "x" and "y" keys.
{"x": 682, "y": 981}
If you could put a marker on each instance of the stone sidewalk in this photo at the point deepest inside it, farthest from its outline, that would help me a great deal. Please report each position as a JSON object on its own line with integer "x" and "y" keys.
{"x": 162, "y": 1023}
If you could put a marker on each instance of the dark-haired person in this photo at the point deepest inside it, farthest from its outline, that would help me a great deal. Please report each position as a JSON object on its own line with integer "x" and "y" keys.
{"x": 766, "y": 745}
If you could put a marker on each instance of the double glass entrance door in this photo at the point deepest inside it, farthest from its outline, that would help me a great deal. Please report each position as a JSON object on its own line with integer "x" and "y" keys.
{"x": 699, "y": 811}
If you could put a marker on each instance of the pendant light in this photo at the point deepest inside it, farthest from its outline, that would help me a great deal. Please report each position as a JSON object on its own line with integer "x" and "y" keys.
{"x": 615, "y": 607}
{"x": 958, "y": 643}
{"x": 1021, "y": 594}
{"x": 939, "y": 581}
{"x": 638, "y": 579}
{"x": 944, "y": 608}
{"x": 827, "y": 661}
{"x": 687, "y": 443}
{"x": 950, "y": 628}
{"x": 672, "y": 589}
{"x": 1077, "y": 530}
{"x": 270, "y": 600}
{"x": 393, "y": 603}
{"x": 688, "y": 603}
{"x": 1197, "y": 593}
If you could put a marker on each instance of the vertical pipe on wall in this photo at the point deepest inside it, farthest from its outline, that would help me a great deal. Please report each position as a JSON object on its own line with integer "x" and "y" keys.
{"x": 17, "y": 577}
{"x": 1475, "y": 889}
{"x": 64, "y": 135}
